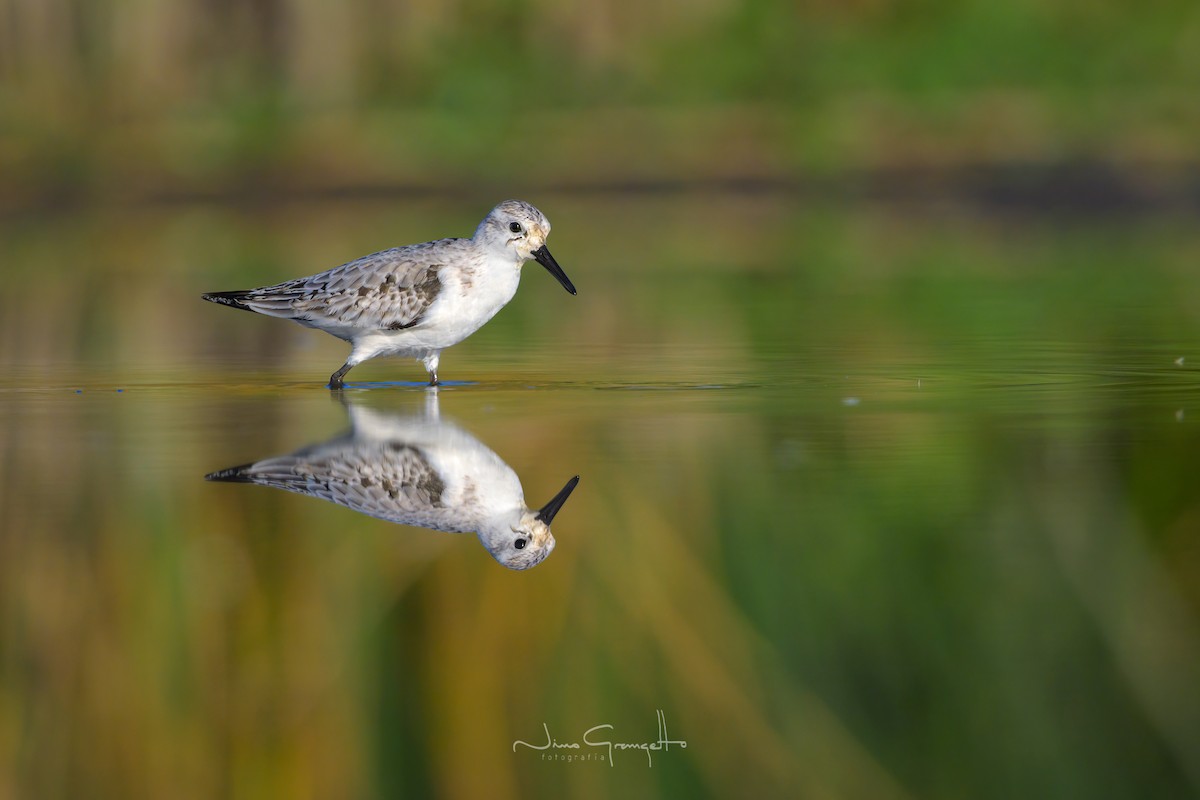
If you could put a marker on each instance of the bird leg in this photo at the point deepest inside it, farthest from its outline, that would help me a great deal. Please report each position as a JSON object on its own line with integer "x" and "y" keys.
{"x": 335, "y": 380}
{"x": 431, "y": 364}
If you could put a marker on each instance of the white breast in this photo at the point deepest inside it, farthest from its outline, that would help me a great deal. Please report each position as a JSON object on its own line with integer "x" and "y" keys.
{"x": 469, "y": 298}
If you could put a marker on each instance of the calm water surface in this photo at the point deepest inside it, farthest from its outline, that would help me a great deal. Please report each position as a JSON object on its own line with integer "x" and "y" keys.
{"x": 869, "y": 507}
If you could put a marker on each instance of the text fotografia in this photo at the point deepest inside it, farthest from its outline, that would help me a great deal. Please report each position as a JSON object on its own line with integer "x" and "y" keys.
{"x": 600, "y": 738}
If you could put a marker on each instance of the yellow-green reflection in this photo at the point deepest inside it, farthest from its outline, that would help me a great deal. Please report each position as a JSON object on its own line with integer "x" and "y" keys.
{"x": 873, "y": 505}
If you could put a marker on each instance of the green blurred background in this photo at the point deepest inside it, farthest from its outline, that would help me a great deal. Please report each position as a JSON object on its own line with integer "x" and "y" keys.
{"x": 882, "y": 381}
{"x": 142, "y": 100}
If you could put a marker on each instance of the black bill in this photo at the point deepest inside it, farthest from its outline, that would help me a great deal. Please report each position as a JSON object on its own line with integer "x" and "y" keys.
{"x": 546, "y": 260}
{"x": 548, "y": 511}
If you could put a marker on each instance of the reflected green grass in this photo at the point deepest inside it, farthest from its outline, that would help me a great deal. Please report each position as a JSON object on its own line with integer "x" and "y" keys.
{"x": 934, "y": 535}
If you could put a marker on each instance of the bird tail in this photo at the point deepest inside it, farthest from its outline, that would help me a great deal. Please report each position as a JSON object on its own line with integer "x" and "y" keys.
{"x": 233, "y": 299}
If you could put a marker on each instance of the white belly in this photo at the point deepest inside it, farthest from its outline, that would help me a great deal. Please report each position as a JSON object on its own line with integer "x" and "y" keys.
{"x": 466, "y": 302}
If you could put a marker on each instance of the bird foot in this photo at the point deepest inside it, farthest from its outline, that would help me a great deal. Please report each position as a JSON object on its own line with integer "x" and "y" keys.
{"x": 335, "y": 380}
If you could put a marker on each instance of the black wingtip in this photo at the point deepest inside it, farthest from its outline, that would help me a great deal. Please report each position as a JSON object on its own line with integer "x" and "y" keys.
{"x": 232, "y": 475}
{"x": 231, "y": 299}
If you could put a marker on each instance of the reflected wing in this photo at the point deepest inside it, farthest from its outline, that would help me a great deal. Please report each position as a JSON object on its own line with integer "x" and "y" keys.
{"x": 388, "y": 290}
{"x": 393, "y": 481}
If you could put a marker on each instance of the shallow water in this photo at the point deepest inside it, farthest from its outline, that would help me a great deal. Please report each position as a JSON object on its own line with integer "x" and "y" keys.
{"x": 871, "y": 504}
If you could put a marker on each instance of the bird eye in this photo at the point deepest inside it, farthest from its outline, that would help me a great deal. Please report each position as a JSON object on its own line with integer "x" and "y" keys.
{"x": 519, "y": 543}
{"x": 515, "y": 227}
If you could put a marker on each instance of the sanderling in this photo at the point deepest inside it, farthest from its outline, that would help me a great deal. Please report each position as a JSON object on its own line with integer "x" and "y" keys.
{"x": 415, "y": 300}
{"x": 417, "y": 471}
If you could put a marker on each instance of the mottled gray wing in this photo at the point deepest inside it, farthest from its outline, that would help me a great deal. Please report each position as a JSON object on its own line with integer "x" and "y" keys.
{"x": 388, "y": 290}
{"x": 393, "y": 481}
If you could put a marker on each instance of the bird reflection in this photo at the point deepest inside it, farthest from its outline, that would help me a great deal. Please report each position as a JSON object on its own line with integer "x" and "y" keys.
{"x": 417, "y": 470}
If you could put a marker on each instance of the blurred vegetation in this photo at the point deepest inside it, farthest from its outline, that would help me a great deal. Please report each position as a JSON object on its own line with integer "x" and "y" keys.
{"x": 147, "y": 99}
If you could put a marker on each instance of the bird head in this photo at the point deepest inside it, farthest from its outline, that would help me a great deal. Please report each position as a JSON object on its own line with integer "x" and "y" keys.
{"x": 521, "y": 230}
{"x": 527, "y": 541}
